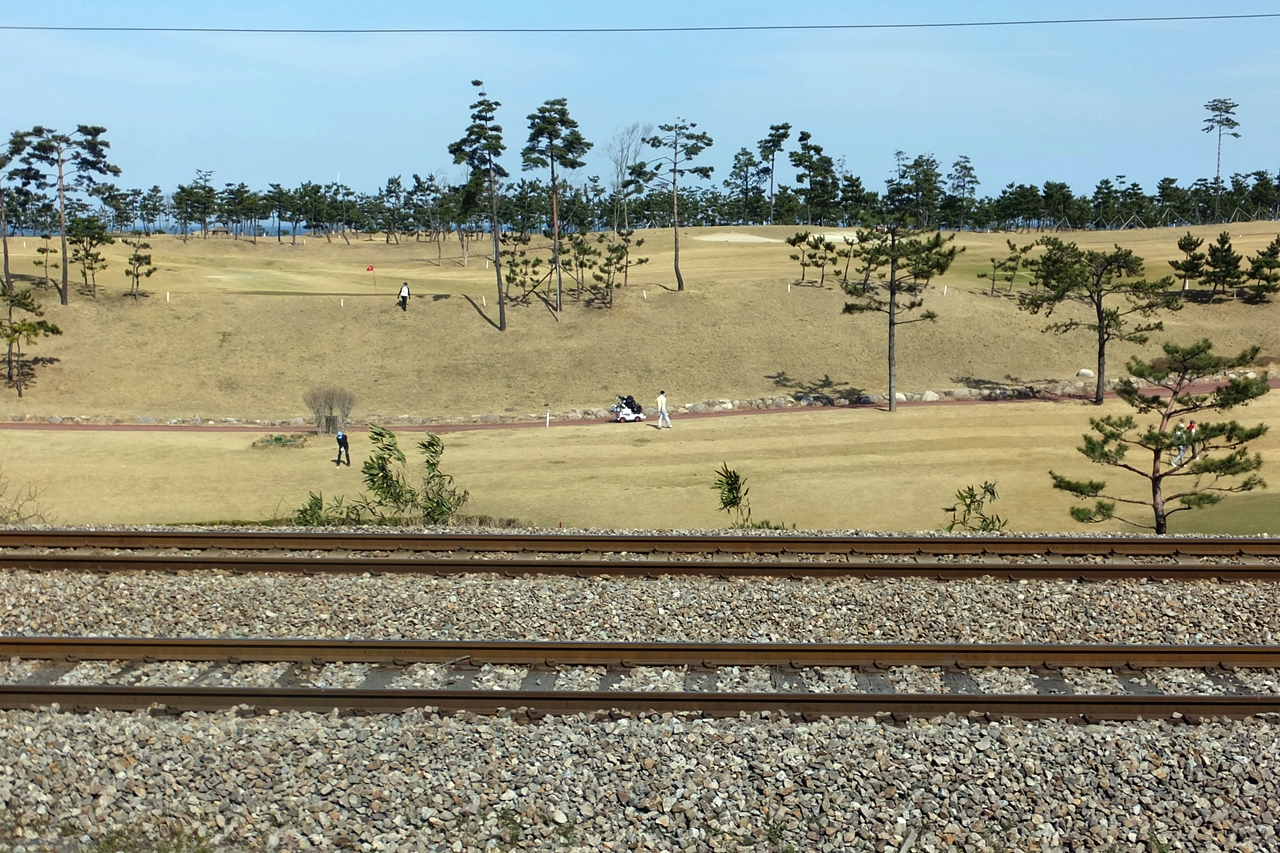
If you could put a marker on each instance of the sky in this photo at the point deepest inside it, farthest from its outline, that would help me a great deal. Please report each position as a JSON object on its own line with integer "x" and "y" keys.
{"x": 1026, "y": 104}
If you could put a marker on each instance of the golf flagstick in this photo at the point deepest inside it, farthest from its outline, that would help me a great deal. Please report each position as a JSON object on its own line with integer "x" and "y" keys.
{"x": 375, "y": 277}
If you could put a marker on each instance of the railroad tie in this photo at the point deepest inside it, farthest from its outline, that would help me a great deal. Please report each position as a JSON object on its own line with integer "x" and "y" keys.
{"x": 381, "y": 676}
{"x": 1135, "y": 682}
{"x": 49, "y": 672}
{"x": 700, "y": 680}
{"x": 612, "y": 678}
{"x": 1049, "y": 682}
{"x": 957, "y": 681}
{"x": 787, "y": 680}
{"x": 1227, "y": 680}
{"x": 871, "y": 681}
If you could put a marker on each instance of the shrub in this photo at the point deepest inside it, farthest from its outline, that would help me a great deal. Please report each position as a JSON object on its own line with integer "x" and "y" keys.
{"x": 330, "y": 407}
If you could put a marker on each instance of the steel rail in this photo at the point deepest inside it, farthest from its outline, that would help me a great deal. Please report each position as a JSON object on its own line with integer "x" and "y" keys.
{"x": 540, "y": 702}
{"x": 1047, "y": 570}
{"x": 626, "y": 655}
{"x": 648, "y": 543}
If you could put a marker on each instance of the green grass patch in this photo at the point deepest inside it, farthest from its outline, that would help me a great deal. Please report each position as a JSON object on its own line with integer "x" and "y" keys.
{"x": 1238, "y": 515}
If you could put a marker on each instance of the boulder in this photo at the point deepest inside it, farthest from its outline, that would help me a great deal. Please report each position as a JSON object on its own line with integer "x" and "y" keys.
{"x": 297, "y": 421}
{"x": 55, "y": 419}
{"x": 960, "y": 393}
{"x": 146, "y": 419}
{"x": 698, "y": 407}
{"x": 1085, "y": 373}
{"x": 930, "y": 397}
{"x": 490, "y": 418}
{"x": 900, "y": 397}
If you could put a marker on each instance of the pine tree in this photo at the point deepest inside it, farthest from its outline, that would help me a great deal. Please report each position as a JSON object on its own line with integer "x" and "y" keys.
{"x": 1095, "y": 281}
{"x": 480, "y": 149}
{"x": 1219, "y": 462}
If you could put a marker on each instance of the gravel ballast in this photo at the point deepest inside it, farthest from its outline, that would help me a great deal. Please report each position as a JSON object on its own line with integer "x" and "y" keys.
{"x": 491, "y": 607}
{"x": 420, "y": 782}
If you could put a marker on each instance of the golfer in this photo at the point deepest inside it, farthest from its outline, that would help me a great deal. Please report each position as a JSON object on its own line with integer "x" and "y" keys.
{"x": 663, "y": 414}
{"x": 343, "y": 447}
{"x": 404, "y": 297}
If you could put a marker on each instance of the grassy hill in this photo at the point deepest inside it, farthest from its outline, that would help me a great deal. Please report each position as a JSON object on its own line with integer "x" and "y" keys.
{"x": 233, "y": 329}
{"x": 237, "y": 329}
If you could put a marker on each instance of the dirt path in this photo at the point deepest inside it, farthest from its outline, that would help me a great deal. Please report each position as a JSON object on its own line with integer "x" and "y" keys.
{"x": 470, "y": 427}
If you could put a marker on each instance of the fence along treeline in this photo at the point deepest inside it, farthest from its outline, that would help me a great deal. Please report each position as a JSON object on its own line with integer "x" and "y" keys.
{"x": 824, "y": 193}
{"x": 431, "y": 209}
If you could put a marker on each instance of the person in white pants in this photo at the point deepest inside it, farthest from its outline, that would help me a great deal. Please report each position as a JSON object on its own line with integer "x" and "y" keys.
{"x": 663, "y": 414}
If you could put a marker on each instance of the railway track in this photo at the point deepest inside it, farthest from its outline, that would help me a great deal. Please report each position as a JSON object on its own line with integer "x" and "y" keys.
{"x": 860, "y": 680}
{"x": 1071, "y": 558}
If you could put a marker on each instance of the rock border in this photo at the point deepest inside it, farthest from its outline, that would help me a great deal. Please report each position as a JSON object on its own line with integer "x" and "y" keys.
{"x": 1054, "y": 389}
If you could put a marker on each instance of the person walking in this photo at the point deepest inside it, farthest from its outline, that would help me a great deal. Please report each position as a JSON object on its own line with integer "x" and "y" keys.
{"x": 1180, "y": 440}
{"x": 343, "y": 448}
{"x": 663, "y": 414}
{"x": 404, "y": 297}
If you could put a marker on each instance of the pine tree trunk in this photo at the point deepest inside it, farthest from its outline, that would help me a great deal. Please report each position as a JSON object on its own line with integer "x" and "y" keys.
{"x": 893, "y": 322}
{"x": 4, "y": 238}
{"x": 62, "y": 217}
{"x": 1102, "y": 356}
{"x": 497, "y": 257}
{"x": 675, "y": 223}
{"x": 555, "y": 234}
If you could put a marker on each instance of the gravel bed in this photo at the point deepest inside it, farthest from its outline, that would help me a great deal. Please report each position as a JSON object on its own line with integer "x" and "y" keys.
{"x": 492, "y": 677}
{"x": 340, "y": 675}
{"x": 1096, "y": 682}
{"x": 418, "y": 782}
{"x": 653, "y": 679}
{"x": 169, "y": 673}
{"x": 247, "y": 675}
{"x": 831, "y": 679}
{"x": 1260, "y": 681}
{"x": 1184, "y": 682}
{"x": 915, "y": 679}
{"x": 15, "y": 670}
{"x": 582, "y": 678}
{"x": 486, "y": 607}
{"x": 745, "y": 679}
{"x": 421, "y": 676}
{"x": 728, "y": 679}
{"x": 1003, "y": 680}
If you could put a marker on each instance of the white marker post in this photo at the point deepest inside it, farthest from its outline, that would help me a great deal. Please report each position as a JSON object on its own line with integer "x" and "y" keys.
{"x": 166, "y": 296}
{"x": 548, "y": 419}
{"x": 342, "y": 303}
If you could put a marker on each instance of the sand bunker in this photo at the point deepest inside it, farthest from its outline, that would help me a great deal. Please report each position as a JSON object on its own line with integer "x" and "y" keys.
{"x": 732, "y": 237}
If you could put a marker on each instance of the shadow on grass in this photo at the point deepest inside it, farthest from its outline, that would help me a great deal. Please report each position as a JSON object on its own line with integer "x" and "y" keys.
{"x": 1010, "y": 383}
{"x": 825, "y": 390}
{"x": 481, "y": 312}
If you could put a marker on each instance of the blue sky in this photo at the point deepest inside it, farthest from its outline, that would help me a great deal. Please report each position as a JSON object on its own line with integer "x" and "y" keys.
{"x": 1026, "y": 104}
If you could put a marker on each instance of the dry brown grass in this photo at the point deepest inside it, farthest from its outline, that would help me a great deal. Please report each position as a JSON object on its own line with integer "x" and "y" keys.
{"x": 250, "y": 328}
{"x": 817, "y": 469}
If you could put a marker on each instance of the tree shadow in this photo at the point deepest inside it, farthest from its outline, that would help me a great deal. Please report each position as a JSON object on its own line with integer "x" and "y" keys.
{"x": 482, "y": 312}
{"x": 546, "y": 300}
{"x": 1009, "y": 382}
{"x": 825, "y": 390}
{"x": 436, "y": 297}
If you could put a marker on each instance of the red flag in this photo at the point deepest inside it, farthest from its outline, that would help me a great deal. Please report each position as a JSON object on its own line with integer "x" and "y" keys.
{"x": 370, "y": 268}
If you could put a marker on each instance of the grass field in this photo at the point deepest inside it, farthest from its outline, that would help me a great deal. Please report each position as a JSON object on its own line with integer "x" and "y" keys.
{"x": 834, "y": 468}
{"x": 233, "y": 329}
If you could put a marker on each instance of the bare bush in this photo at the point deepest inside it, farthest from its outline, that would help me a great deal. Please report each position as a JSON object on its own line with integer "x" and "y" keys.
{"x": 22, "y": 506}
{"x": 330, "y": 407}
